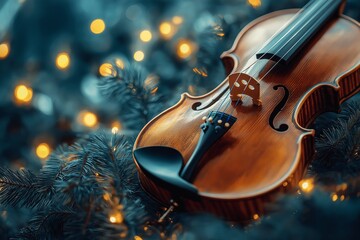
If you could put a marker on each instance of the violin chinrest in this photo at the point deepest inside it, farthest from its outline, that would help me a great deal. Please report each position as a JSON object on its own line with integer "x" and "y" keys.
{"x": 163, "y": 164}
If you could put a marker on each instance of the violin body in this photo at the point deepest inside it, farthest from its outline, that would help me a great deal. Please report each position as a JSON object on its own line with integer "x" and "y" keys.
{"x": 268, "y": 148}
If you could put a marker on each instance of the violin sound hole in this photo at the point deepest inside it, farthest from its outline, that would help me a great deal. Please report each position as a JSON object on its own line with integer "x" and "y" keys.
{"x": 283, "y": 127}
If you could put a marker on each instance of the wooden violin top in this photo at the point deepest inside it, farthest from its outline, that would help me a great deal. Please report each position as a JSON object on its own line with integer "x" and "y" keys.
{"x": 256, "y": 157}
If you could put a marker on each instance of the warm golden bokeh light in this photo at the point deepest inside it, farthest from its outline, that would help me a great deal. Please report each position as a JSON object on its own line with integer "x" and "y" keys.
{"x": 166, "y": 29}
{"x": 116, "y": 218}
{"x": 23, "y": 94}
{"x": 106, "y": 69}
{"x": 97, "y": 26}
{"x": 139, "y": 56}
{"x": 88, "y": 119}
{"x": 4, "y": 50}
{"x": 43, "y": 150}
{"x": 306, "y": 185}
{"x": 145, "y": 36}
{"x": 137, "y": 238}
{"x": 115, "y": 127}
{"x": 255, "y": 3}
{"x": 106, "y": 196}
{"x": 184, "y": 49}
{"x": 177, "y": 20}
{"x": 63, "y": 60}
{"x": 256, "y": 216}
{"x": 334, "y": 197}
{"x": 119, "y": 63}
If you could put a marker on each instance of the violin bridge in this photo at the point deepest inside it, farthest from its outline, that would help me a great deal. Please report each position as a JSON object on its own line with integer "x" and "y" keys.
{"x": 243, "y": 84}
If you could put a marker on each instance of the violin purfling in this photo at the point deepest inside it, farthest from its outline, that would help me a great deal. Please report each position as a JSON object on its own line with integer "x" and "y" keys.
{"x": 232, "y": 150}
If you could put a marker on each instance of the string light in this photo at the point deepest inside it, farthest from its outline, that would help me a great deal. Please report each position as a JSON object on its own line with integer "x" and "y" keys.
{"x": 42, "y": 150}
{"x": 334, "y": 197}
{"x": 97, "y": 26}
{"x": 106, "y": 69}
{"x": 116, "y": 218}
{"x": 342, "y": 197}
{"x": 120, "y": 63}
{"x": 177, "y": 20}
{"x": 106, "y": 197}
{"x": 307, "y": 185}
{"x": 23, "y": 94}
{"x": 255, "y": 3}
{"x": 63, "y": 60}
{"x": 145, "y": 36}
{"x": 115, "y": 127}
{"x": 167, "y": 30}
{"x": 184, "y": 48}
{"x": 88, "y": 119}
{"x": 4, "y": 50}
{"x": 256, "y": 216}
{"x": 139, "y": 56}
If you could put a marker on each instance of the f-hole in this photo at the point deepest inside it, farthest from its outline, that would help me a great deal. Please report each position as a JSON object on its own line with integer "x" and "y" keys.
{"x": 283, "y": 127}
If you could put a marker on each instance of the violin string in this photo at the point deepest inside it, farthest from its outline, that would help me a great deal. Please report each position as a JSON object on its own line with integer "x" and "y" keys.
{"x": 263, "y": 45}
{"x": 315, "y": 15}
{"x": 247, "y": 83}
{"x": 261, "y": 57}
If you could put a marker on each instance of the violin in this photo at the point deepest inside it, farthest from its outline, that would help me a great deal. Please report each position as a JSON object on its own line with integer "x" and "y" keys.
{"x": 232, "y": 150}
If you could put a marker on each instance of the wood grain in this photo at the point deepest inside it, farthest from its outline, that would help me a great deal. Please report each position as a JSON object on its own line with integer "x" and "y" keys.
{"x": 249, "y": 164}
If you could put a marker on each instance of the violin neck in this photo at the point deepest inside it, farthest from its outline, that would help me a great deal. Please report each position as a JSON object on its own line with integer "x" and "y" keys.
{"x": 284, "y": 45}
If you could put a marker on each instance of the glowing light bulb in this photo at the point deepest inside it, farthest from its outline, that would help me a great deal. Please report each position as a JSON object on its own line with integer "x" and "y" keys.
{"x": 139, "y": 56}
{"x": 63, "y": 60}
{"x": 184, "y": 49}
{"x": 112, "y": 219}
{"x": 255, "y": 3}
{"x": 4, "y": 50}
{"x": 177, "y": 20}
{"x": 23, "y": 94}
{"x": 116, "y": 218}
{"x": 106, "y": 196}
{"x": 334, "y": 197}
{"x": 43, "y": 150}
{"x": 342, "y": 197}
{"x": 97, "y": 26}
{"x": 88, "y": 119}
{"x": 166, "y": 30}
{"x": 119, "y": 63}
{"x": 256, "y": 216}
{"x": 145, "y": 36}
{"x": 115, "y": 127}
{"x": 106, "y": 69}
{"x": 307, "y": 185}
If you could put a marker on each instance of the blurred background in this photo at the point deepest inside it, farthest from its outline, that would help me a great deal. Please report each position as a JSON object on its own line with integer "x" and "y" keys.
{"x": 54, "y": 55}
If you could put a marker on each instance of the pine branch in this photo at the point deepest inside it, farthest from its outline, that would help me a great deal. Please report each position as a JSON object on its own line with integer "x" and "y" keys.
{"x": 112, "y": 156}
{"x": 47, "y": 224}
{"x": 18, "y": 188}
{"x": 136, "y": 93}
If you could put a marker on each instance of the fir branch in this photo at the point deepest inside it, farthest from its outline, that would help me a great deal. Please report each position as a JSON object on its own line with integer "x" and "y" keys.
{"x": 18, "y": 188}
{"x": 46, "y": 224}
{"x": 51, "y": 172}
{"x": 112, "y": 156}
{"x": 136, "y": 93}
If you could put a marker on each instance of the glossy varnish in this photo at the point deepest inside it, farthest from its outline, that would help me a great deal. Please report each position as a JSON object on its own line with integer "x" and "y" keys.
{"x": 252, "y": 161}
